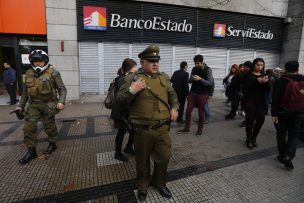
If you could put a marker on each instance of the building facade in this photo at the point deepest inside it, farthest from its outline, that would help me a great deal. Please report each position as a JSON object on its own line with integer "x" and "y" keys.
{"x": 88, "y": 40}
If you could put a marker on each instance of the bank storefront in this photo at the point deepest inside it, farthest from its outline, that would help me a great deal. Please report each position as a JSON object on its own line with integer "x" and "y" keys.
{"x": 110, "y": 31}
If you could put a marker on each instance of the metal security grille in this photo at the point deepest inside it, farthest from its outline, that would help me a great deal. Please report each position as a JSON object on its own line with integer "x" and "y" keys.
{"x": 217, "y": 60}
{"x": 272, "y": 60}
{"x": 114, "y": 54}
{"x": 238, "y": 56}
{"x": 88, "y": 66}
{"x": 184, "y": 53}
{"x": 99, "y": 62}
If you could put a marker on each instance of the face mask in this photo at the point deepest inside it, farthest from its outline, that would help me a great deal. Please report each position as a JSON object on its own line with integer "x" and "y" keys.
{"x": 39, "y": 69}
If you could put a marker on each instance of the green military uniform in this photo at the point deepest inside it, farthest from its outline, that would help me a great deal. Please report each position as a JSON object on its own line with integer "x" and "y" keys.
{"x": 41, "y": 93}
{"x": 149, "y": 114}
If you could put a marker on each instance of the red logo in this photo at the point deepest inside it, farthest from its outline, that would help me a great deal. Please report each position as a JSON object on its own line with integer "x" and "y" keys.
{"x": 94, "y": 18}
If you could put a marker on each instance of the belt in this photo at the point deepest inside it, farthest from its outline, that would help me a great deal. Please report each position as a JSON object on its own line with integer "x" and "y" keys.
{"x": 149, "y": 127}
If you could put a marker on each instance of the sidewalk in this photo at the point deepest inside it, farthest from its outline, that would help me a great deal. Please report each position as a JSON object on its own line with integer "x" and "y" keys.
{"x": 214, "y": 167}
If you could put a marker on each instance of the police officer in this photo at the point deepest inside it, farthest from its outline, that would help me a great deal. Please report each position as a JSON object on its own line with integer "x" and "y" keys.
{"x": 42, "y": 82}
{"x": 152, "y": 104}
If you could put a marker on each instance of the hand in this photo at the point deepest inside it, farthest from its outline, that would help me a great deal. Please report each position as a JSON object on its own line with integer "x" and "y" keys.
{"x": 138, "y": 85}
{"x": 260, "y": 80}
{"x": 209, "y": 97}
{"x": 18, "y": 108}
{"x": 196, "y": 77}
{"x": 265, "y": 79}
{"x": 173, "y": 114}
{"x": 60, "y": 106}
{"x": 275, "y": 119}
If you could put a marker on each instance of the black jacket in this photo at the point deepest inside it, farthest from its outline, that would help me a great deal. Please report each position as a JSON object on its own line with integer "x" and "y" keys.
{"x": 279, "y": 90}
{"x": 253, "y": 90}
{"x": 179, "y": 80}
{"x": 234, "y": 86}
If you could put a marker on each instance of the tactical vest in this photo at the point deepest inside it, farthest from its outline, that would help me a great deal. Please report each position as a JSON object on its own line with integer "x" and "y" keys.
{"x": 41, "y": 88}
{"x": 146, "y": 107}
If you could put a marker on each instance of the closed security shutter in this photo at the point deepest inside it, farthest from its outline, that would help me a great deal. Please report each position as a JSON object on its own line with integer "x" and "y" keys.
{"x": 272, "y": 60}
{"x": 88, "y": 66}
{"x": 166, "y": 55}
{"x": 183, "y": 53}
{"x": 114, "y": 54}
{"x": 216, "y": 59}
{"x": 239, "y": 56}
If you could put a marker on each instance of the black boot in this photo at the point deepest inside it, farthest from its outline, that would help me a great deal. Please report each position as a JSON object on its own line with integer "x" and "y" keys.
{"x": 50, "y": 149}
{"x": 119, "y": 156}
{"x": 249, "y": 143}
{"x": 129, "y": 150}
{"x": 30, "y": 154}
{"x": 254, "y": 143}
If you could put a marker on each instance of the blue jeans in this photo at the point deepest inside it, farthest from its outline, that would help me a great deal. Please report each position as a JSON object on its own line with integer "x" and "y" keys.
{"x": 207, "y": 110}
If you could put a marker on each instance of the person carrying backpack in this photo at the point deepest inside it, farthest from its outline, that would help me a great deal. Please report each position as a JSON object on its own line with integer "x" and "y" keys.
{"x": 120, "y": 113}
{"x": 287, "y": 111}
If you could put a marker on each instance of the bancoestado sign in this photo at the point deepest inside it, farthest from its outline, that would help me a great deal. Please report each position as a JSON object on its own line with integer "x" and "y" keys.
{"x": 249, "y": 33}
{"x": 156, "y": 23}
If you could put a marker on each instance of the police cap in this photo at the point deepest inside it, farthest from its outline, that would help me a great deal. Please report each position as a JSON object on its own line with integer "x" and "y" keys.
{"x": 151, "y": 53}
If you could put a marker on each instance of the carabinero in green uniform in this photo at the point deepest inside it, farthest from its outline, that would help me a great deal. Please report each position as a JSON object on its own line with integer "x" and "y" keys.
{"x": 42, "y": 86}
{"x": 152, "y": 104}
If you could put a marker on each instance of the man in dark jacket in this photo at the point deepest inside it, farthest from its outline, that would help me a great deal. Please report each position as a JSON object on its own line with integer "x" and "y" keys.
{"x": 287, "y": 123}
{"x": 179, "y": 80}
{"x": 10, "y": 81}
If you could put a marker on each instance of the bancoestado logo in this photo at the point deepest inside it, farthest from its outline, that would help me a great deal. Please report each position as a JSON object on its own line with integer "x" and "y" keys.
{"x": 156, "y": 23}
{"x": 95, "y": 19}
{"x": 219, "y": 30}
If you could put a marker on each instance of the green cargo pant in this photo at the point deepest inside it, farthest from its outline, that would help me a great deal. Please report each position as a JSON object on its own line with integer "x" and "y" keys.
{"x": 157, "y": 144}
{"x": 44, "y": 112}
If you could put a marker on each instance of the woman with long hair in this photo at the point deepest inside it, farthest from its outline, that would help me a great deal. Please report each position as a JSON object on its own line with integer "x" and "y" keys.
{"x": 120, "y": 113}
{"x": 255, "y": 86}
{"x": 227, "y": 80}
{"x": 233, "y": 91}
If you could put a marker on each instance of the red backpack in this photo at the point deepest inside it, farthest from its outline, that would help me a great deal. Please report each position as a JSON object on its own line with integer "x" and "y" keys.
{"x": 293, "y": 99}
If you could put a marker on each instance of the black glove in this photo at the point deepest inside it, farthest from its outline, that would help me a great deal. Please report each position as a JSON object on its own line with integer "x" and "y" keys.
{"x": 19, "y": 114}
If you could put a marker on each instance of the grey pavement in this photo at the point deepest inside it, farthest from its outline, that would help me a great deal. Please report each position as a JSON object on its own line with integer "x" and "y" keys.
{"x": 214, "y": 167}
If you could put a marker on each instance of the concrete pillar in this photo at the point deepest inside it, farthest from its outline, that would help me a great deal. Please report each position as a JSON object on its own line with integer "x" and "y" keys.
{"x": 62, "y": 30}
{"x": 293, "y": 46}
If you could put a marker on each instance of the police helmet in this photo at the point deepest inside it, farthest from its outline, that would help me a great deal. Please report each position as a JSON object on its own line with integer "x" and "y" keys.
{"x": 39, "y": 55}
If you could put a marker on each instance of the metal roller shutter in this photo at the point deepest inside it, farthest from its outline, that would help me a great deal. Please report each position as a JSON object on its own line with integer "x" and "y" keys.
{"x": 217, "y": 60}
{"x": 88, "y": 67}
{"x": 114, "y": 54}
{"x": 237, "y": 56}
{"x": 183, "y": 53}
{"x": 272, "y": 60}
{"x": 166, "y": 55}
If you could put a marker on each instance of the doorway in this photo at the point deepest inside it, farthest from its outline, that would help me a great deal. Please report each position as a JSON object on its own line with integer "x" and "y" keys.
{"x": 6, "y": 55}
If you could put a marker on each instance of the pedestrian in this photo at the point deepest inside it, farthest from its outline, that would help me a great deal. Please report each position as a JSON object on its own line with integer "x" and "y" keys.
{"x": 255, "y": 85}
{"x": 120, "y": 113}
{"x": 42, "y": 82}
{"x": 287, "y": 123}
{"x": 227, "y": 81}
{"x": 10, "y": 82}
{"x": 244, "y": 69}
{"x": 202, "y": 89}
{"x": 271, "y": 77}
{"x": 180, "y": 84}
{"x": 233, "y": 91}
{"x": 152, "y": 104}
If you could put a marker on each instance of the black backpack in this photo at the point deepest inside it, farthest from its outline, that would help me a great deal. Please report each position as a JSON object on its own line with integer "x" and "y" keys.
{"x": 109, "y": 100}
